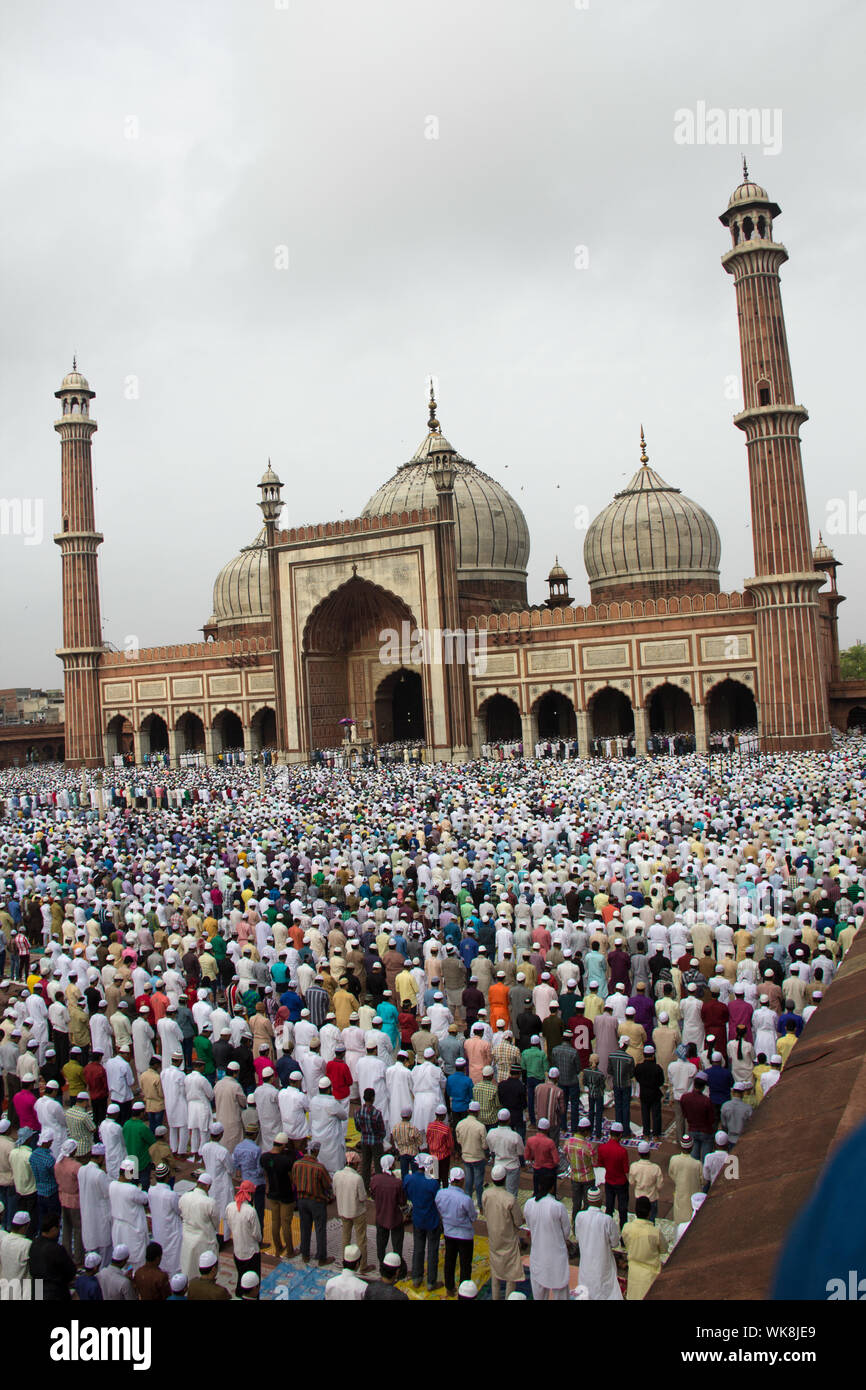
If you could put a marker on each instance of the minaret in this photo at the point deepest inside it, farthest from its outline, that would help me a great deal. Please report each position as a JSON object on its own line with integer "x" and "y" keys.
{"x": 792, "y": 688}
{"x": 456, "y": 673}
{"x": 78, "y": 541}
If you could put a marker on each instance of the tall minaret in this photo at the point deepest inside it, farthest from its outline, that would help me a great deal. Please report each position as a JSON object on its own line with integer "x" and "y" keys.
{"x": 78, "y": 540}
{"x": 792, "y": 688}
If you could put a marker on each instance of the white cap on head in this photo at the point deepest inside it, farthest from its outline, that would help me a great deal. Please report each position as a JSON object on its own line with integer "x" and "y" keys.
{"x": 207, "y": 1259}
{"x": 120, "y": 1252}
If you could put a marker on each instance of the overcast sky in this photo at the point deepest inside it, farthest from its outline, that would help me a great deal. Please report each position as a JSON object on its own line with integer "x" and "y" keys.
{"x": 154, "y": 157}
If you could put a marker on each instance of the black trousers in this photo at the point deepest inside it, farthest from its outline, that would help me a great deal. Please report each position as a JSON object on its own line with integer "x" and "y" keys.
{"x": 310, "y": 1214}
{"x": 616, "y": 1195}
{"x": 651, "y": 1117}
{"x": 383, "y": 1235}
{"x": 457, "y": 1250}
{"x": 426, "y": 1243}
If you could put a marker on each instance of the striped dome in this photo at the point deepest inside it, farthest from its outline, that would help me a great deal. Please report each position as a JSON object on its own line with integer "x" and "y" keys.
{"x": 240, "y": 592}
{"x": 651, "y": 534}
{"x": 492, "y": 535}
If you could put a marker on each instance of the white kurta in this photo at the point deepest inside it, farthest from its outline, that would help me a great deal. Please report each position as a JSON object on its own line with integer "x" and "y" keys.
{"x": 371, "y": 1074}
{"x": 401, "y": 1093}
{"x": 166, "y": 1224}
{"x": 199, "y": 1098}
{"x": 142, "y": 1044}
{"x": 549, "y": 1227}
{"x": 111, "y": 1135}
{"x": 218, "y": 1162}
{"x": 171, "y": 1041}
{"x": 294, "y": 1106}
{"x": 129, "y": 1219}
{"x": 102, "y": 1035}
{"x": 429, "y": 1086}
{"x": 52, "y": 1116}
{"x": 267, "y": 1099}
{"x": 598, "y": 1235}
{"x": 93, "y": 1194}
{"x": 200, "y": 1225}
{"x": 328, "y": 1124}
{"x": 174, "y": 1090}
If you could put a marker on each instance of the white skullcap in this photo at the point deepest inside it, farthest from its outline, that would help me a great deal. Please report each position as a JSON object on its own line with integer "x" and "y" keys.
{"x": 544, "y": 1123}
{"x": 178, "y": 1283}
{"x": 204, "y": 1179}
{"x": 386, "y": 1162}
{"x": 120, "y": 1252}
{"x": 456, "y": 1175}
{"x": 207, "y": 1259}
{"x": 92, "y": 1260}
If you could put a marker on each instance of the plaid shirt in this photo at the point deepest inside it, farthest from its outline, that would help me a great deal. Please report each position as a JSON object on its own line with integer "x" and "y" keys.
{"x": 81, "y": 1129}
{"x": 440, "y": 1140}
{"x": 371, "y": 1125}
{"x": 407, "y": 1139}
{"x": 487, "y": 1095}
{"x": 42, "y": 1163}
{"x": 312, "y": 1180}
{"x": 505, "y": 1056}
{"x": 579, "y": 1153}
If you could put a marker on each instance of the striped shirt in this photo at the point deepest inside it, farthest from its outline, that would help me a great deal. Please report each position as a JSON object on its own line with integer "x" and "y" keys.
{"x": 620, "y": 1068}
{"x": 440, "y": 1140}
{"x": 407, "y": 1139}
{"x": 312, "y": 1180}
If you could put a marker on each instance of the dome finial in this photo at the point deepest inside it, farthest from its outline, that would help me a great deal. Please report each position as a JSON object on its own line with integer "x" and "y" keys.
{"x": 433, "y": 424}
{"x": 745, "y": 170}
{"x": 74, "y": 362}
{"x": 643, "y": 453}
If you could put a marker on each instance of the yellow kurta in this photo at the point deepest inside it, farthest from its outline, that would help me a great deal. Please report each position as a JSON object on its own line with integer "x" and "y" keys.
{"x": 645, "y": 1246}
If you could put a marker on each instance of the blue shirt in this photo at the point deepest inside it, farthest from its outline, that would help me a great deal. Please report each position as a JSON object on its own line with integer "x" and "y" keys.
{"x": 458, "y": 1213}
{"x": 247, "y": 1157}
{"x": 422, "y": 1192}
{"x": 459, "y": 1090}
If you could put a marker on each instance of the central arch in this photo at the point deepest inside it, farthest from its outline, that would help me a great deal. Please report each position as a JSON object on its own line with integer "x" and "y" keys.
{"x": 228, "y": 732}
{"x": 610, "y": 714}
{"x": 400, "y": 707}
{"x": 154, "y": 735}
{"x": 501, "y": 718}
{"x": 730, "y": 707}
{"x": 555, "y": 715}
{"x": 857, "y": 719}
{"x": 343, "y": 643}
{"x": 190, "y": 733}
{"x": 669, "y": 710}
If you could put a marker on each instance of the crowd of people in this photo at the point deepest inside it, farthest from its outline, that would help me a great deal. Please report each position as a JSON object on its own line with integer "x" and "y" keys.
{"x": 502, "y": 1021}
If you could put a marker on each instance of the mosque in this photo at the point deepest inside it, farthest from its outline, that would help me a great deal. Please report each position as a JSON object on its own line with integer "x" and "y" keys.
{"x": 293, "y": 657}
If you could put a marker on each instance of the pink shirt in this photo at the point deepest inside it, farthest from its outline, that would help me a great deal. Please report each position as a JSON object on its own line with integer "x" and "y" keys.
{"x": 66, "y": 1176}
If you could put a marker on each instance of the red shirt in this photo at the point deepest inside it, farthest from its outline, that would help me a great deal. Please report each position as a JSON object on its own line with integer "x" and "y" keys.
{"x": 340, "y": 1078}
{"x": 699, "y": 1112}
{"x": 96, "y": 1081}
{"x": 144, "y": 1002}
{"x": 615, "y": 1161}
{"x": 440, "y": 1140}
{"x": 542, "y": 1152}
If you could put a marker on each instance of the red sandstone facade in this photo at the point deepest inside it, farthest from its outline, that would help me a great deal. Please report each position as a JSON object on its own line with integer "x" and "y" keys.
{"x": 656, "y": 655}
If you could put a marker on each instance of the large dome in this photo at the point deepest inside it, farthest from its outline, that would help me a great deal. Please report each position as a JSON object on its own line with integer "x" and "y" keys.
{"x": 492, "y": 536}
{"x": 241, "y": 597}
{"x": 651, "y": 541}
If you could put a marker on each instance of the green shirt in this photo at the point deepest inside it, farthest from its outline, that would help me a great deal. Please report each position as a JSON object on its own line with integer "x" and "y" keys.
{"x": 535, "y": 1063}
{"x": 138, "y": 1137}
